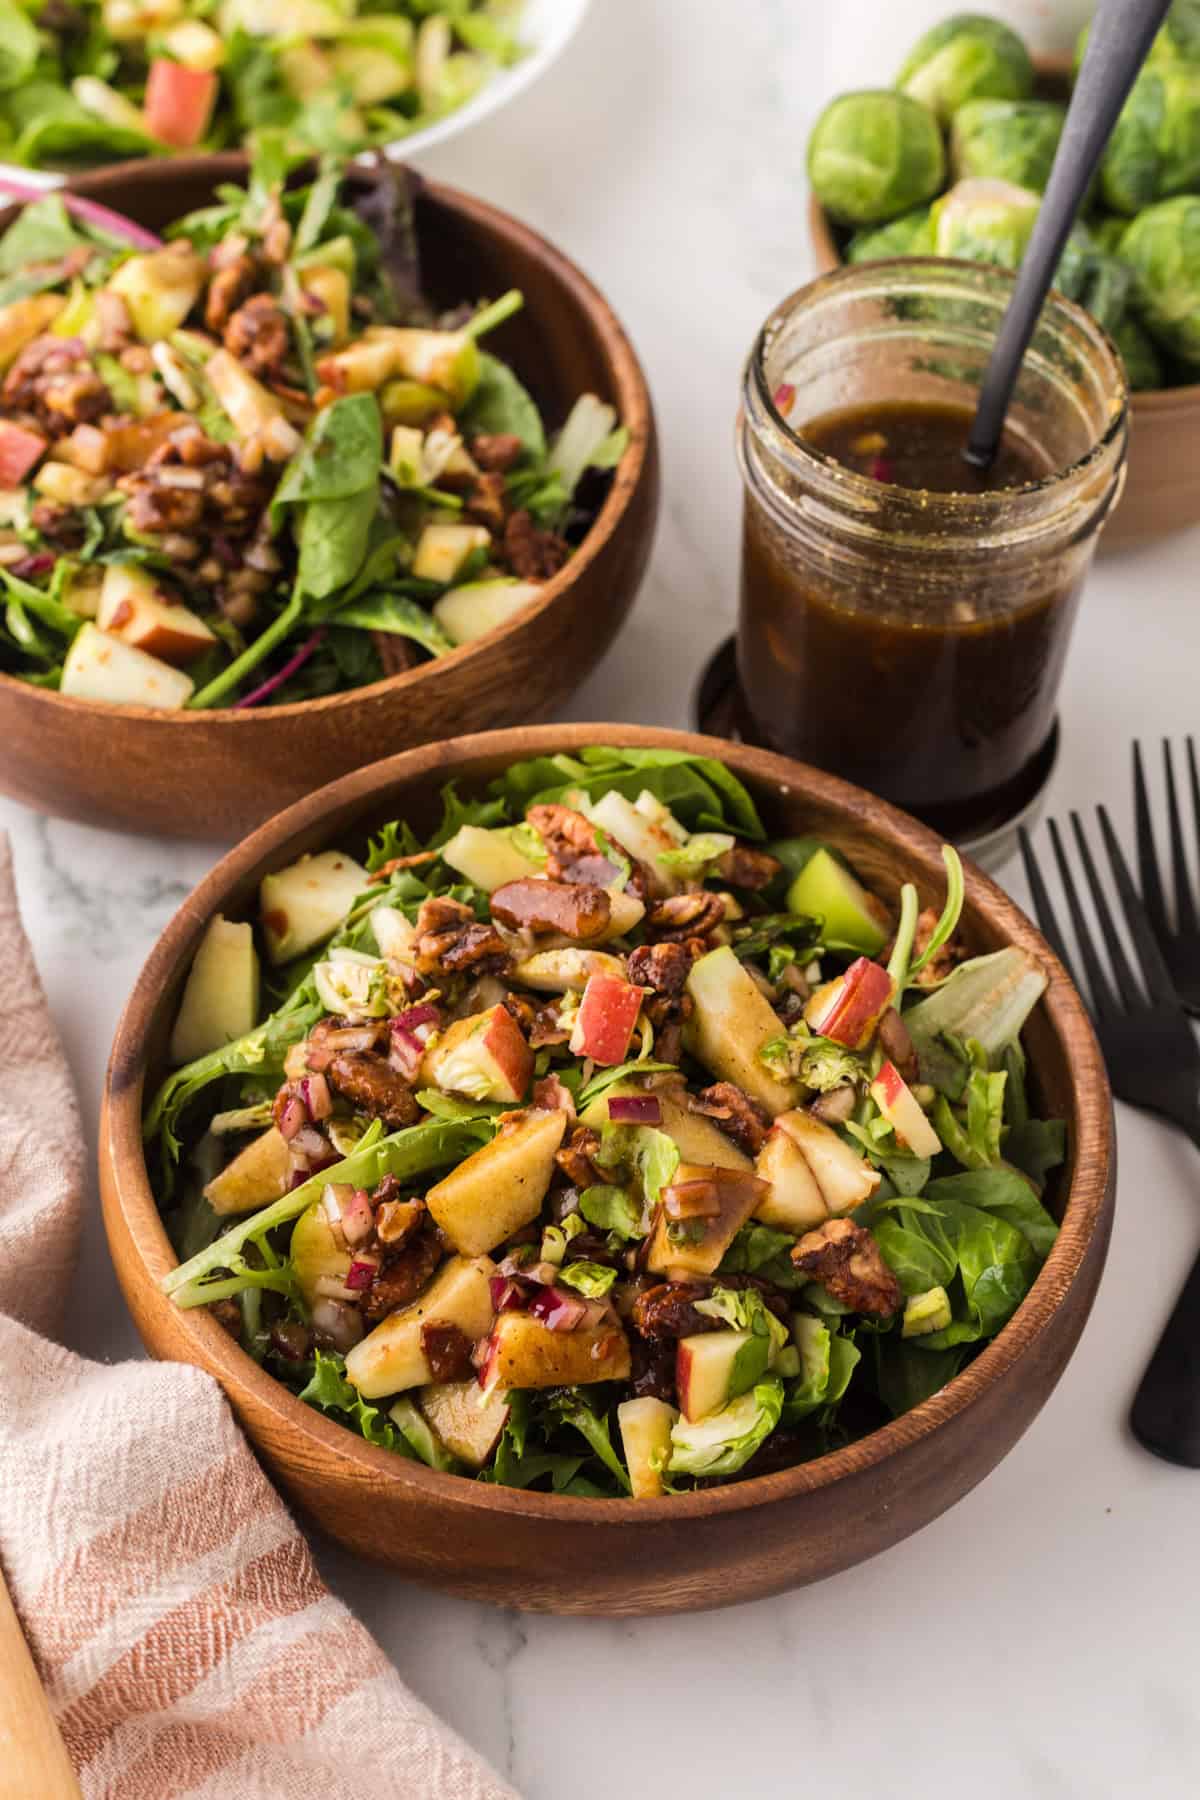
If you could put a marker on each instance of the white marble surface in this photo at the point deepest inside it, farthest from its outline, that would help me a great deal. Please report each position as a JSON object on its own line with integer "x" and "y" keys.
{"x": 1040, "y": 1640}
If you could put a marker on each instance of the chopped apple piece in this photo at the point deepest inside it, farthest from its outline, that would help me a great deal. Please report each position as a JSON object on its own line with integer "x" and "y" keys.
{"x": 390, "y": 1358}
{"x": 442, "y": 550}
{"x": 849, "y": 1009}
{"x": 260, "y": 1173}
{"x": 488, "y": 859}
{"x": 396, "y": 937}
{"x": 196, "y": 44}
{"x": 641, "y": 836}
{"x": 446, "y": 360}
{"x": 179, "y": 102}
{"x": 332, "y": 288}
{"x": 500, "y": 1187}
{"x": 160, "y": 289}
{"x": 697, "y": 1240}
{"x": 100, "y": 667}
{"x": 316, "y": 1254}
{"x": 793, "y": 1201}
{"x": 715, "y": 1367}
{"x": 485, "y": 1057}
{"x": 247, "y": 404}
{"x": 605, "y": 1022}
{"x": 134, "y": 608}
{"x": 825, "y": 889}
{"x": 467, "y": 1420}
{"x": 567, "y": 970}
{"x": 524, "y": 1353}
{"x": 23, "y": 320}
{"x": 645, "y": 1427}
{"x": 697, "y": 1138}
{"x": 68, "y": 486}
{"x": 903, "y": 1112}
{"x": 474, "y": 608}
{"x": 844, "y": 1177}
{"x": 220, "y": 1000}
{"x": 731, "y": 1023}
{"x": 19, "y": 451}
{"x": 303, "y": 903}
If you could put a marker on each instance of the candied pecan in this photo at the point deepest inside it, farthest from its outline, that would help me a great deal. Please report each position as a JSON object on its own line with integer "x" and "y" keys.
{"x": 396, "y": 654}
{"x": 372, "y": 1086}
{"x": 113, "y": 320}
{"x": 575, "y": 909}
{"x": 386, "y": 870}
{"x": 155, "y": 507}
{"x": 668, "y": 1310}
{"x": 661, "y": 967}
{"x": 292, "y": 1340}
{"x": 683, "y": 916}
{"x": 227, "y": 290}
{"x": 746, "y": 868}
{"x": 896, "y": 1043}
{"x": 575, "y": 1158}
{"x": 739, "y": 1117}
{"x": 59, "y": 525}
{"x": 449, "y": 940}
{"x": 667, "y": 1014}
{"x": 573, "y": 849}
{"x": 401, "y": 1278}
{"x": 228, "y": 1314}
{"x": 257, "y": 334}
{"x": 532, "y": 554}
{"x": 396, "y": 1220}
{"x": 485, "y": 502}
{"x": 943, "y": 962}
{"x": 546, "y": 1029}
{"x": 496, "y": 451}
{"x": 653, "y": 1371}
{"x": 845, "y": 1258}
{"x": 447, "y": 1349}
{"x": 53, "y": 382}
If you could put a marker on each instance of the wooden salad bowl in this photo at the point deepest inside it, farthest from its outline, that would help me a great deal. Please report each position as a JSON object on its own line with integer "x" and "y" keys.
{"x": 219, "y": 773}
{"x": 1162, "y": 480}
{"x": 707, "y": 1548}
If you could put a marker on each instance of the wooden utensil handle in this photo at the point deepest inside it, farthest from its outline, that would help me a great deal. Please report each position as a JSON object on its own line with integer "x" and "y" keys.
{"x": 1166, "y": 1409}
{"x": 34, "y": 1764}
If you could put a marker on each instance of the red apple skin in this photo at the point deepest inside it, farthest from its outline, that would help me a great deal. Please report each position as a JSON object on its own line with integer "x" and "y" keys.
{"x": 903, "y": 1111}
{"x": 19, "y": 450}
{"x": 505, "y": 1042}
{"x": 179, "y": 102}
{"x": 864, "y": 994}
{"x": 605, "y": 1022}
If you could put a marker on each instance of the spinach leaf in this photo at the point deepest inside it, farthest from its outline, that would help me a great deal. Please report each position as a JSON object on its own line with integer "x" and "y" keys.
{"x": 398, "y": 614}
{"x": 50, "y": 126}
{"x": 340, "y": 457}
{"x": 762, "y": 1250}
{"x": 702, "y": 793}
{"x": 1007, "y": 1195}
{"x": 42, "y": 232}
{"x": 333, "y": 540}
{"x": 501, "y": 404}
{"x": 907, "y": 1373}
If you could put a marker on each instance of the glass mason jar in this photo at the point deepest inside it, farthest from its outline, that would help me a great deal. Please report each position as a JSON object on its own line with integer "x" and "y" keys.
{"x": 913, "y": 641}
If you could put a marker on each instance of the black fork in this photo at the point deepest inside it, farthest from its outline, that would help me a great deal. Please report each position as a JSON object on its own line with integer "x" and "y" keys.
{"x": 1179, "y": 942}
{"x": 1153, "y": 1062}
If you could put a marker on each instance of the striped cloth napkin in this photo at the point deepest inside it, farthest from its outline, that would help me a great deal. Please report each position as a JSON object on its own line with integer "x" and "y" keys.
{"x": 184, "y": 1638}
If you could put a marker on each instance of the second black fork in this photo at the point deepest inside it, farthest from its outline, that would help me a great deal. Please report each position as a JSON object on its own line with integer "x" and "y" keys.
{"x": 1179, "y": 941}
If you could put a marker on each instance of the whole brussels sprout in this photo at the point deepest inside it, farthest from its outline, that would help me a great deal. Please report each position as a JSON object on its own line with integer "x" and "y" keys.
{"x": 968, "y": 57}
{"x": 1179, "y": 39}
{"x": 1154, "y": 150}
{"x": 1162, "y": 247}
{"x": 1010, "y": 140}
{"x": 909, "y": 235}
{"x": 873, "y": 156}
{"x": 991, "y": 222}
{"x": 1143, "y": 365}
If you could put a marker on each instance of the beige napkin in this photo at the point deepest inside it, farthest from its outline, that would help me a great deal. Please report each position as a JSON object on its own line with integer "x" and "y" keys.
{"x": 181, "y": 1631}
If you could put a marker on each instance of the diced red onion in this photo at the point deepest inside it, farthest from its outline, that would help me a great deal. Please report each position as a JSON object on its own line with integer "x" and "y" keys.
{"x": 406, "y": 1053}
{"x": 291, "y": 1118}
{"x": 309, "y": 1143}
{"x": 357, "y": 1219}
{"x": 507, "y": 1295}
{"x": 341, "y": 1324}
{"x": 421, "y": 1021}
{"x": 635, "y": 1109}
{"x": 317, "y": 1097}
{"x": 40, "y": 563}
{"x": 328, "y": 1287}
{"x": 551, "y": 1095}
{"x": 557, "y": 1310}
{"x": 347, "y": 1037}
{"x": 361, "y": 1273}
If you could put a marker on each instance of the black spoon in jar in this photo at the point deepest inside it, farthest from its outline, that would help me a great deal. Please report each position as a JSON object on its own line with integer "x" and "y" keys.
{"x": 1121, "y": 34}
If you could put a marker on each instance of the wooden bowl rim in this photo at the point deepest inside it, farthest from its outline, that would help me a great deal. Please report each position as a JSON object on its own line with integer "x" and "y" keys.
{"x": 1083, "y": 1211}
{"x": 820, "y": 229}
{"x": 631, "y": 397}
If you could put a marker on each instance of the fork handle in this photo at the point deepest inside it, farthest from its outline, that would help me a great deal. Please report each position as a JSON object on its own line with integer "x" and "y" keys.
{"x": 1166, "y": 1409}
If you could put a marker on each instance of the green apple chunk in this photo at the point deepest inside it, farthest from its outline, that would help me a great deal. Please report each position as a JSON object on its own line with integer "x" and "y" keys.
{"x": 260, "y": 1173}
{"x": 442, "y": 550}
{"x": 825, "y": 889}
{"x": 474, "y": 608}
{"x": 488, "y": 859}
{"x": 303, "y": 903}
{"x": 484, "y": 1056}
{"x": 160, "y": 289}
{"x": 731, "y": 1022}
{"x": 697, "y": 1138}
{"x": 844, "y": 1177}
{"x": 103, "y": 668}
{"x": 645, "y": 1427}
{"x": 522, "y": 1352}
{"x": 715, "y": 1367}
{"x": 641, "y": 836}
{"x": 467, "y": 1421}
{"x": 793, "y": 1201}
{"x": 220, "y": 1000}
{"x": 567, "y": 970}
{"x": 500, "y": 1187}
{"x": 315, "y": 1253}
{"x": 695, "y": 1241}
{"x": 391, "y": 1359}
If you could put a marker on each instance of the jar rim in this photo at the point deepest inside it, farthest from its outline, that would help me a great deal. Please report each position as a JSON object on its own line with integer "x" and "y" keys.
{"x": 867, "y": 487}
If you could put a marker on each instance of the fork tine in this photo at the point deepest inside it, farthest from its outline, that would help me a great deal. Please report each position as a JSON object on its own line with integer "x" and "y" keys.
{"x": 1158, "y": 979}
{"x": 1148, "y": 876}
{"x": 1104, "y": 1001}
{"x": 1126, "y": 980}
{"x": 1185, "y": 911}
{"x": 1042, "y": 905}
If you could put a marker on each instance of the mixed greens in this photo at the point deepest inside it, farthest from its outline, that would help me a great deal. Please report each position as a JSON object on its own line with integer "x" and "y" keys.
{"x": 254, "y": 464}
{"x": 963, "y": 111}
{"x": 594, "y": 1143}
{"x": 84, "y": 81}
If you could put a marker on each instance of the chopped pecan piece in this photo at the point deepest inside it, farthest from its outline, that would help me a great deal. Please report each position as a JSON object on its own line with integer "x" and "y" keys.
{"x": 684, "y": 916}
{"x": 845, "y": 1258}
{"x": 53, "y": 381}
{"x": 898, "y": 1045}
{"x": 59, "y": 525}
{"x": 496, "y": 451}
{"x": 943, "y": 962}
{"x": 396, "y": 1220}
{"x": 668, "y": 1013}
{"x": 575, "y": 1158}
{"x": 661, "y": 967}
{"x": 257, "y": 334}
{"x": 372, "y": 1086}
{"x": 653, "y": 1372}
{"x": 739, "y": 1117}
{"x": 401, "y": 1278}
{"x": 485, "y": 502}
{"x": 746, "y": 868}
{"x": 574, "y": 909}
{"x": 447, "y": 1350}
{"x": 532, "y": 554}
{"x": 292, "y": 1340}
{"x": 227, "y": 290}
{"x": 450, "y": 940}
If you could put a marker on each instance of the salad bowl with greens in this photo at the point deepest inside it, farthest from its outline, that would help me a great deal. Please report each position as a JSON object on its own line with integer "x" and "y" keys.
{"x": 588, "y": 1126}
{"x": 285, "y": 443}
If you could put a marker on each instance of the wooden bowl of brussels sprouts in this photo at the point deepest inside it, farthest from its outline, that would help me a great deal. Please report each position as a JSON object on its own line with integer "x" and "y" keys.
{"x": 150, "y": 731}
{"x": 1132, "y": 262}
{"x": 711, "y": 1545}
